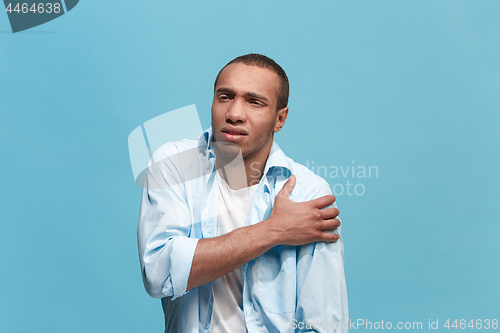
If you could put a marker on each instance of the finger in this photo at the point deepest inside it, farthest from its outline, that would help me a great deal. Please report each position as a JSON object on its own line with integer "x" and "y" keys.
{"x": 330, "y": 224}
{"x": 328, "y": 237}
{"x": 288, "y": 187}
{"x": 329, "y": 213}
{"x": 323, "y": 201}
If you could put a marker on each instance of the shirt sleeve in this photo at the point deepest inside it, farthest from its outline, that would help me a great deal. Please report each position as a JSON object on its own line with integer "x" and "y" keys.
{"x": 321, "y": 286}
{"x": 165, "y": 249}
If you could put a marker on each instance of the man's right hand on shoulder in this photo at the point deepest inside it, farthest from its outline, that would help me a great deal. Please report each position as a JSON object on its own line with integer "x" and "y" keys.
{"x": 290, "y": 223}
{"x": 298, "y": 223}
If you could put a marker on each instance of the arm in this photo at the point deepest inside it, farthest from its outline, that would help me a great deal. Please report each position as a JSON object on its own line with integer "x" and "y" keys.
{"x": 321, "y": 287}
{"x": 165, "y": 250}
{"x": 173, "y": 263}
{"x": 290, "y": 223}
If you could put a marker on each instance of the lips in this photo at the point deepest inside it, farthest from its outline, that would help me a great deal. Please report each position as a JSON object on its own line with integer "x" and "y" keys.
{"x": 233, "y": 134}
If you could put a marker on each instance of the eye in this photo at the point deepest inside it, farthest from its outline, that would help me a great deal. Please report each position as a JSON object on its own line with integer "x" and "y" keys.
{"x": 256, "y": 102}
{"x": 223, "y": 97}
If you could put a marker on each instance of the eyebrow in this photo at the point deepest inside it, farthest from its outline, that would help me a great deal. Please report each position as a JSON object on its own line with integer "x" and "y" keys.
{"x": 251, "y": 94}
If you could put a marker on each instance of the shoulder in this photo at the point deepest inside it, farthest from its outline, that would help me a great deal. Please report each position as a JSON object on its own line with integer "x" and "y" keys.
{"x": 171, "y": 149}
{"x": 309, "y": 185}
{"x": 176, "y": 163}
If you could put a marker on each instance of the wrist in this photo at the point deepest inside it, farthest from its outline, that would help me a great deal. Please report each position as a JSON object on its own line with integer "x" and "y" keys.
{"x": 269, "y": 232}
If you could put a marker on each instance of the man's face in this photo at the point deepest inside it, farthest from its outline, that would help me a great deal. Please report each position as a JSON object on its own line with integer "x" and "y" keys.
{"x": 244, "y": 109}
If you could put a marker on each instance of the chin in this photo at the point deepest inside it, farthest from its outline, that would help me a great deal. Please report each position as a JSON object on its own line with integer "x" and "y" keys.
{"x": 226, "y": 150}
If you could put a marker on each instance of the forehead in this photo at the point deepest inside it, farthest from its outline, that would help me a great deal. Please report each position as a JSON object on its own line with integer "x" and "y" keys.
{"x": 244, "y": 79}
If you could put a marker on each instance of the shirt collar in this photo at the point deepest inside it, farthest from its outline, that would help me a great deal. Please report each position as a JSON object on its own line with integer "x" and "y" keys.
{"x": 205, "y": 143}
{"x": 277, "y": 159}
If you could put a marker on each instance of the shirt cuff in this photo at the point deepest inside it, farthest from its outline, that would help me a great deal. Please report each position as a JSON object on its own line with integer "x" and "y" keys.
{"x": 181, "y": 259}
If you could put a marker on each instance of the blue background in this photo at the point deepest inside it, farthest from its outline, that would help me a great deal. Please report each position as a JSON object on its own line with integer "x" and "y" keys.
{"x": 411, "y": 87}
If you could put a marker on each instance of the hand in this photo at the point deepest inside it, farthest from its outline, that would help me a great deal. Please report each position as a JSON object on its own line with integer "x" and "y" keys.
{"x": 298, "y": 223}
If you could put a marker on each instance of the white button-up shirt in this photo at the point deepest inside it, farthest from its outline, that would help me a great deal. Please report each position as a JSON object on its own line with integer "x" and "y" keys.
{"x": 287, "y": 289}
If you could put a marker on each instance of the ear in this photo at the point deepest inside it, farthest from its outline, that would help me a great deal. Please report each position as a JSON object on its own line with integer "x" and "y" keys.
{"x": 280, "y": 119}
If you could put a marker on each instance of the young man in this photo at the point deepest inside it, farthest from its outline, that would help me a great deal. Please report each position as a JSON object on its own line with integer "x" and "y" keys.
{"x": 233, "y": 235}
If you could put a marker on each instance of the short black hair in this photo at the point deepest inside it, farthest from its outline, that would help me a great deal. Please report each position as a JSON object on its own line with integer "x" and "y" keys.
{"x": 259, "y": 60}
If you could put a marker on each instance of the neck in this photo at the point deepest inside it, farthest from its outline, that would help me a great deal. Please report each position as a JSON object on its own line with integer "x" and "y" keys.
{"x": 254, "y": 169}
{"x": 247, "y": 171}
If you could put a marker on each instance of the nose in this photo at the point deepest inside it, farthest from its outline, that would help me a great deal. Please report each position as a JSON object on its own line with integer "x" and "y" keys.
{"x": 236, "y": 111}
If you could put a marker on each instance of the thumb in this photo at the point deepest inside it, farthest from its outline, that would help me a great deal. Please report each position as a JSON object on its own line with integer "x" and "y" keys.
{"x": 288, "y": 187}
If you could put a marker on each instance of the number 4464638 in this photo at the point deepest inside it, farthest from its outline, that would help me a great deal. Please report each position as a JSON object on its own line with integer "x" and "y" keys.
{"x": 477, "y": 324}
{"x": 35, "y": 8}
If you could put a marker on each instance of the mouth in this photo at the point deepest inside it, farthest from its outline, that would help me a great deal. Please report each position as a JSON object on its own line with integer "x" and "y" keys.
{"x": 233, "y": 134}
